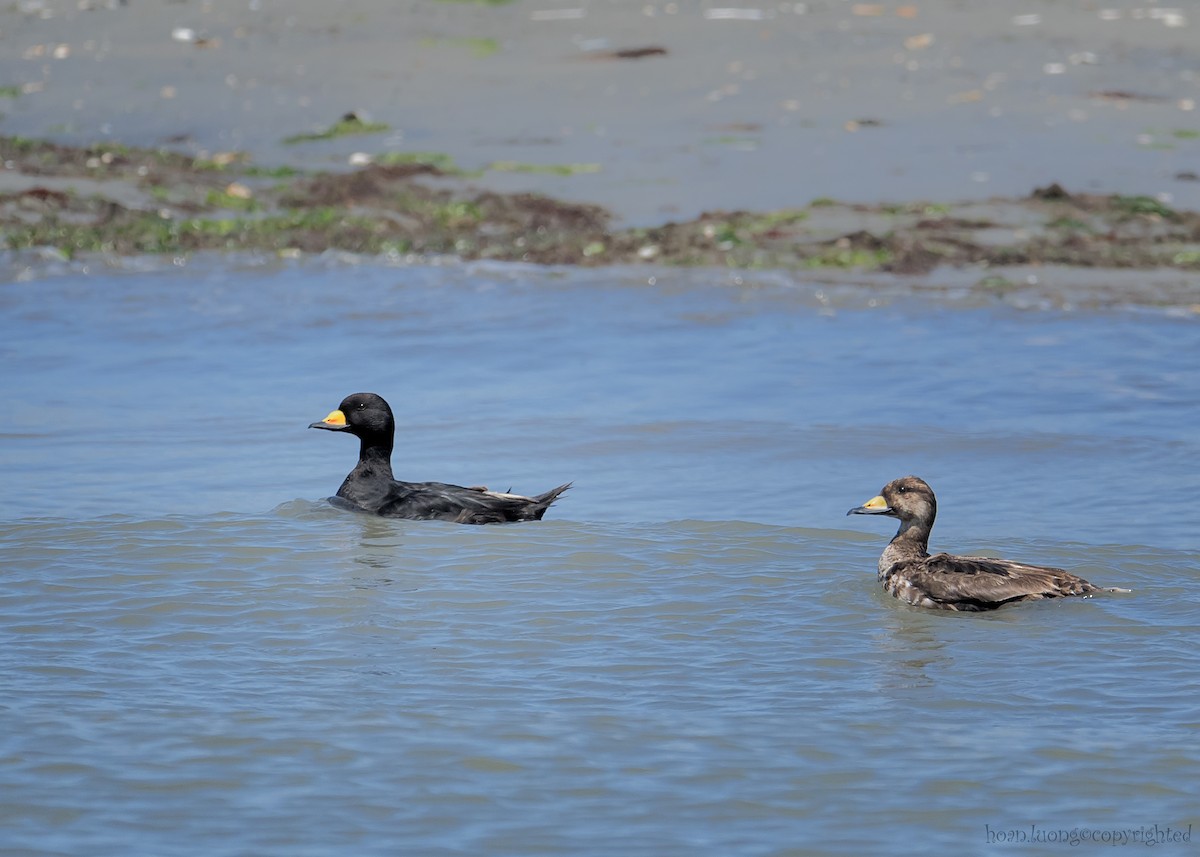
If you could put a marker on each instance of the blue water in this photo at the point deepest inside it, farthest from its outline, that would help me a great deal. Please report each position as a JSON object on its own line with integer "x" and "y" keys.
{"x": 690, "y": 655}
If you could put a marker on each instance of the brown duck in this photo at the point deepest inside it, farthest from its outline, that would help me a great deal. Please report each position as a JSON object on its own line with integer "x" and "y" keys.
{"x": 370, "y": 487}
{"x": 947, "y": 582}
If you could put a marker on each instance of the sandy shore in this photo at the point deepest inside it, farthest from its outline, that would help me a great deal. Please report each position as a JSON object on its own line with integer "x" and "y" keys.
{"x": 749, "y": 106}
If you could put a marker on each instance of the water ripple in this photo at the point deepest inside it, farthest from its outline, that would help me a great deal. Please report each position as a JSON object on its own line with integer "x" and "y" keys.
{"x": 537, "y": 687}
{"x": 691, "y": 656}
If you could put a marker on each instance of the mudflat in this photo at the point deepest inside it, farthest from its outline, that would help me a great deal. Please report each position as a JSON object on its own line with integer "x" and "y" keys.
{"x": 889, "y": 137}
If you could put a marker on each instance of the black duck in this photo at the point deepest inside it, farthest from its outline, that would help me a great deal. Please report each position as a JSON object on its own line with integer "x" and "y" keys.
{"x": 370, "y": 486}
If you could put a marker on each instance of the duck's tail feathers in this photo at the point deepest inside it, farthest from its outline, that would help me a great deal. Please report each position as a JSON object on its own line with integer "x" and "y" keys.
{"x": 542, "y": 501}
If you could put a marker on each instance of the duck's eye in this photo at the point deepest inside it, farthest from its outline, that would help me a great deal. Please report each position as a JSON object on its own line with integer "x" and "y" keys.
{"x": 903, "y": 489}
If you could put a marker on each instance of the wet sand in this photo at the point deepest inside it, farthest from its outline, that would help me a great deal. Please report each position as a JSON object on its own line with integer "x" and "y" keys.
{"x": 751, "y": 106}
{"x": 657, "y": 112}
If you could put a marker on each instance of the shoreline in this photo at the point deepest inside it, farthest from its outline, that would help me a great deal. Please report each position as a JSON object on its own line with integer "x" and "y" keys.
{"x": 123, "y": 201}
{"x": 957, "y": 139}
{"x": 656, "y": 111}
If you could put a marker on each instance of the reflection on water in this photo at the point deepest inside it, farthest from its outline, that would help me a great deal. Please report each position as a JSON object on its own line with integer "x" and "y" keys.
{"x": 918, "y": 650}
{"x": 691, "y": 656}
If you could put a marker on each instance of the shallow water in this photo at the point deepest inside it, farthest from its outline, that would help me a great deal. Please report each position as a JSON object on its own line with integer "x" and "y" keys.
{"x": 689, "y": 656}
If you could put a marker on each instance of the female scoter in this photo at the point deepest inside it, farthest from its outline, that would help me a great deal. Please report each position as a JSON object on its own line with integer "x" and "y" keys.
{"x": 371, "y": 488}
{"x": 948, "y": 582}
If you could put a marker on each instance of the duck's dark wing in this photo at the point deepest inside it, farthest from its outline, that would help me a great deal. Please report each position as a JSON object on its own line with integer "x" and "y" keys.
{"x": 426, "y": 501}
{"x": 982, "y": 583}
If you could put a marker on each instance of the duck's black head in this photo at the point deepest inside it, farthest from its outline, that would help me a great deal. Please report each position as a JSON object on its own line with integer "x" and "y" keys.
{"x": 365, "y": 415}
{"x": 909, "y": 498}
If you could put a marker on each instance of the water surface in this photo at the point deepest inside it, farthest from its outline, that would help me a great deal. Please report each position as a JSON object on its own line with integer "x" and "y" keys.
{"x": 689, "y": 656}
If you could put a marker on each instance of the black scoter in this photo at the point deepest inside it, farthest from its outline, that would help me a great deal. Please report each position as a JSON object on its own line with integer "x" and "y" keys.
{"x": 371, "y": 488}
{"x": 947, "y": 582}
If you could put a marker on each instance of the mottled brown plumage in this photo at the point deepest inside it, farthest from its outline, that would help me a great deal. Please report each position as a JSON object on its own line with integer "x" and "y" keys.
{"x": 947, "y": 582}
